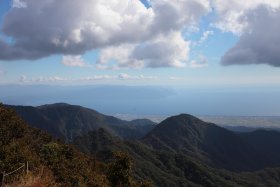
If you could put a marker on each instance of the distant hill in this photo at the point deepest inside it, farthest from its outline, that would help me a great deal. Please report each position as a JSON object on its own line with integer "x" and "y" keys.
{"x": 208, "y": 142}
{"x": 242, "y": 129}
{"x": 267, "y": 122}
{"x": 68, "y": 121}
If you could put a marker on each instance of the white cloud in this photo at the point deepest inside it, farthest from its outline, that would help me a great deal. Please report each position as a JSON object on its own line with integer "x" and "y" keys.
{"x": 165, "y": 51}
{"x": 205, "y": 36}
{"x": 120, "y": 55}
{"x": 97, "y": 77}
{"x": 190, "y": 30}
{"x": 22, "y": 79}
{"x": 73, "y": 61}
{"x": 124, "y": 76}
{"x": 19, "y": 4}
{"x": 200, "y": 63}
{"x": 260, "y": 41}
{"x": 231, "y": 13}
{"x": 47, "y": 27}
{"x": 256, "y": 22}
{"x": 41, "y": 79}
{"x": 72, "y": 28}
{"x": 56, "y": 79}
{"x": 130, "y": 35}
{"x": 59, "y": 79}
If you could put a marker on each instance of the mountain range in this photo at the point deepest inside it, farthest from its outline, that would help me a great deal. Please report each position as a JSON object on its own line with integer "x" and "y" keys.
{"x": 69, "y": 121}
{"x": 181, "y": 150}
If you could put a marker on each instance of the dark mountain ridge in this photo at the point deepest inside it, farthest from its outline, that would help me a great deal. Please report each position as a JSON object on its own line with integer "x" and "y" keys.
{"x": 210, "y": 143}
{"x": 68, "y": 121}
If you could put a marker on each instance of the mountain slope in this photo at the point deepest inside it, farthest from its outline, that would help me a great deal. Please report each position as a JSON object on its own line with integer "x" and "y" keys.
{"x": 68, "y": 121}
{"x": 167, "y": 168}
{"x": 164, "y": 168}
{"x": 57, "y": 163}
{"x": 266, "y": 142}
{"x": 210, "y": 143}
{"x": 20, "y": 143}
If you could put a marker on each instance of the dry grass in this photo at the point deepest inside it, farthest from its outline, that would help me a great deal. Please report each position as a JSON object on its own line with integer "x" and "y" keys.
{"x": 40, "y": 178}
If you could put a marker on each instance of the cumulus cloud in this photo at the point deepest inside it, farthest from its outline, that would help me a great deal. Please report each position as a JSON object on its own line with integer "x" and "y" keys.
{"x": 231, "y": 13}
{"x": 74, "y": 61}
{"x": 117, "y": 57}
{"x": 259, "y": 43}
{"x": 171, "y": 50}
{"x": 43, "y": 28}
{"x": 130, "y": 34}
{"x": 165, "y": 51}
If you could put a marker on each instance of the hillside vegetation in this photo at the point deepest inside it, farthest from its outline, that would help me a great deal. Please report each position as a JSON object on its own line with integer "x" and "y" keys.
{"x": 180, "y": 151}
{"x": 65, "y": 166}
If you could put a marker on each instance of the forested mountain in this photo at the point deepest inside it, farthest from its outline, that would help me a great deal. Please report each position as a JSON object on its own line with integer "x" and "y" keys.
{"x": 171, "y": 168}
{"x": 68, "y": 121}
{"x": 180, "y": 151}
{"x": 210, "y": 143}
{"x": 52, "y": 162}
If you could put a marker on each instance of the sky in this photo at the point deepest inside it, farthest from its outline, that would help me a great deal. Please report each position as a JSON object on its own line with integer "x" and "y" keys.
{"x": 185, "y": 46}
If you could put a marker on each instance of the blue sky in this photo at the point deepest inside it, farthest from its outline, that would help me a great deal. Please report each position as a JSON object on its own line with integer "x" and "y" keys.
{"x": 205, "y": 45}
